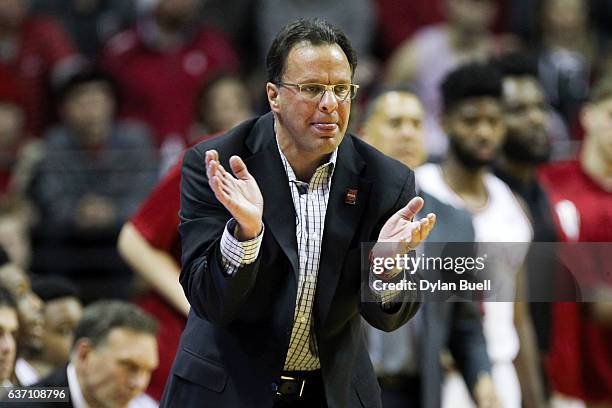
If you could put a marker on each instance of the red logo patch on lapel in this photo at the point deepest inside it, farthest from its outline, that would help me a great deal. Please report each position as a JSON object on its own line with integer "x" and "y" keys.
{"x": 351, "y": 196}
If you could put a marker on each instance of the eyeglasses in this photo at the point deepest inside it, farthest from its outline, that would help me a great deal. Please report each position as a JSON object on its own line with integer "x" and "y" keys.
{"x": 314, "y": 91}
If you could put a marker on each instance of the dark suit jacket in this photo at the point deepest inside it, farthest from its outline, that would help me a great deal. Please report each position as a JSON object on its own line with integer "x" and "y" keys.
{"x": 453, "y": 325}
{"x": 238, "y": 331}
{"x": 58, "y": 378}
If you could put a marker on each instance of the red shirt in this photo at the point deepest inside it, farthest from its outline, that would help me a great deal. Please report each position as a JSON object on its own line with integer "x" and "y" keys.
{"x": 157, "y": 220}
{"x": 160, "y": 87}
{"x": 42, "y": 46}
{"x": 580, "y": 361}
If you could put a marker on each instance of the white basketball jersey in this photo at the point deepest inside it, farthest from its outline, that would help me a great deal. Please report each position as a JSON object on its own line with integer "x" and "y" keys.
{"x": 501, "y": 220}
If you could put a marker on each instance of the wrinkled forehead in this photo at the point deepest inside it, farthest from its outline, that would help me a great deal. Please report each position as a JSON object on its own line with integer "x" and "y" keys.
{"x": 400, "y": 105}
{"x": 124, "y": 344}
{"x": 306, "y": 60}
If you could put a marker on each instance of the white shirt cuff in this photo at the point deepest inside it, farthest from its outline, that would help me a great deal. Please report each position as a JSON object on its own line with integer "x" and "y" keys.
{"x": 237, "y": 254}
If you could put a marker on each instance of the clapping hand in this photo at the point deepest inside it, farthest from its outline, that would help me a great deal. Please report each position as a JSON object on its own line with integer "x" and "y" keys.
{"x": 400, "y": 233}
{"x": 239, "y": 194}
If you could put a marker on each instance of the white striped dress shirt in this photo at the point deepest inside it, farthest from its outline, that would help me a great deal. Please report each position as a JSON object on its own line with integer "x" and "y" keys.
{"x": 310, "y": 202}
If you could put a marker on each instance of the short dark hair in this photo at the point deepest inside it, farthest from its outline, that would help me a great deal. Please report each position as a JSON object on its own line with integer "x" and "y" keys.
{"x": 83, "y": 76}
{"x": 472, "y": 80}
{"x": 7, "y": 299}
{"x": 101, "y": 317}
{"x": 316, "y": 32}
{"x": 381, "y": 91}
{"x": 517, "y": 63}
{"x": 54, "y": 287}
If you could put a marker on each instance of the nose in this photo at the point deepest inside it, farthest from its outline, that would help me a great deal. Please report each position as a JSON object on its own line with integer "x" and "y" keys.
{"x": 484, "y": 129}
{"x": 537, "y": 116}
{"x": 409, "y": 130}
{"x": 328, "y": 102}
{"x": 139, "y": 381}
{"x": 6, "y": 340}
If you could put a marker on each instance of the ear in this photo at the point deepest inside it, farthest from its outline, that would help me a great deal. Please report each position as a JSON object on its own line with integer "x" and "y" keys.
{"x": 586, "y": 116}
{"x": 445, "y": 122}
{"x": 82, "y": 349}
{"x": 272, "y": 91}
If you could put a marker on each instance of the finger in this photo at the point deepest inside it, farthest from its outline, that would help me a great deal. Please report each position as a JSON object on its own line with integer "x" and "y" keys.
{"x": 211, "y": 168}
{"x": 239, "y": 168}
{"x": 209, "y": 156}
{"x": 426, "y": 227}
{"x": 411, "y": 209}
{"x": 217, "y": 188}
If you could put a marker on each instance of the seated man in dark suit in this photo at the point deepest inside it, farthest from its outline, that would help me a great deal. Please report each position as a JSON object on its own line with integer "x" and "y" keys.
{"x": 114, "y": 353}
{"x": 271, "y": 255}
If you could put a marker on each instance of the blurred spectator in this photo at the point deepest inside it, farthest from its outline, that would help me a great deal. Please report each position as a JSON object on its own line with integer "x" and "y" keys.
{"x": 580, "y": 360}
{"x": 12, "y": 132}
{"x": 568, "y": 50}
{"x": 408, "y": 360}
{"x": 398, "y": 21}
{"x": 473, "y": 120}
{"x": 528, "y": 146}
{"x": 425, "y": 59}
{"x": 31, "y": 323}
{"x": 112, "y": 358}
{"x": 94, "y": 174}
{"x": 161, "y": 63}
{"x": 356, "y": 18}
{"x": 18, "y": 156}
{"x": 34, "y": 53}
{"x": 150, "y": 244}
{"x": 90, "y": 23}
{"x": 62, "y": 312}
{"x": 222, "y": 103}
{"x": 9, "y": 326}
{"x": 15, "y": 239}
{"x": 19, "y": 153}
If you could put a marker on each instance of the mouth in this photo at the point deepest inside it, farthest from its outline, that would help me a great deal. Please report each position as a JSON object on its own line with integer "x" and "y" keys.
{"x": 325, "y": 127}
{"x": 485, "y": 151}
{"x": 37, "y": 331}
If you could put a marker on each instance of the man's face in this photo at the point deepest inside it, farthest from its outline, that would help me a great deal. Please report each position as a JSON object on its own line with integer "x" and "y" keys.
{"x": 13, "y": 12}
{"x": 396, "y": 128}
{"x": 88, "y": 109}
{"x": 175, "y": 14}
{"x": 471, "y": 15}
{"x": 14, "y": 238}
{"x": 226, "y": 105}
{"x": 119, "y": 369}
{"x": 597, "y": 121}
{"x": 526, "y": 119}
{"x": 61, "y": 318}
{"x": 565, "y": 17}
{"x": 29, "y": 306}
{"x": 311, "y": 127}
{"x": 9, "y": 324}
{"x": 11, "y": 124}
{"x": 476, "y": 131}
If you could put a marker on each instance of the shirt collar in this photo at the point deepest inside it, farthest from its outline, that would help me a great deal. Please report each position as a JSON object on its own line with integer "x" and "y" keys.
{"x": 76, "y": 395}
{"x": 331, "y": 162}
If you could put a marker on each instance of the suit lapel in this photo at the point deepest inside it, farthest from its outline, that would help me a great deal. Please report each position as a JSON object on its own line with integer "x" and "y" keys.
{"x": 341, "y": 222}
{"x": 266, "y": 167}
{"x": 341, "y": 219}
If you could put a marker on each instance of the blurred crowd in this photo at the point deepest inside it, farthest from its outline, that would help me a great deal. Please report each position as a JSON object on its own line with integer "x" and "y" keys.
{"x": 99, "y": 99}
